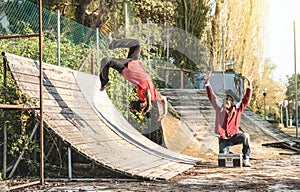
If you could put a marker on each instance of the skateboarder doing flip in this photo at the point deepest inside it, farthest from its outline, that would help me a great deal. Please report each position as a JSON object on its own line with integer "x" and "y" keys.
{"x": 132, "y": 70}
{"x": 227, "y": 120}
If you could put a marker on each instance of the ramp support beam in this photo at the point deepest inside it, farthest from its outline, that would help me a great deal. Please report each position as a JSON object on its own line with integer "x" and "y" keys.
{"x": 70, "y": 163}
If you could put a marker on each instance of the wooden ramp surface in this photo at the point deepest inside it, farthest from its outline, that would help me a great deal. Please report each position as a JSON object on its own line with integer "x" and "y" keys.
{"x": 84, "y": 117}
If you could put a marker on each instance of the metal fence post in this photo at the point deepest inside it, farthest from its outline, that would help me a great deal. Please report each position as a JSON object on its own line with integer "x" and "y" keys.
{"x": 58, "y": 37}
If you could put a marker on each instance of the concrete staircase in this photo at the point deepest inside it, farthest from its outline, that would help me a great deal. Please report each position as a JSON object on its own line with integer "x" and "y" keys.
{"x": 193, "y": 107}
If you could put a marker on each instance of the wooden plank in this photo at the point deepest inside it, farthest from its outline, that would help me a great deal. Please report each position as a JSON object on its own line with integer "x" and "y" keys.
{"x": 91, "y": 125}
{"x": 29, "y": 69}
{"x": 64, "y": 104}
{"x": 34, "y": 80}
{"x": 73, "y": 115}
{"x": 64, "y": 129}
{"x": 18, "y": 107}
{"x": 130, "y": 155}
{"x": 68, "y": 96}
{"x": 174, "y": 169}
{"x": 141, "y": 164}
{"x": 23, "y": 69}
{"x": 62, "y": 120}
{"x": 161, "y": 168}
{"x": 154, "y": 169}
{"x": 119, "y": 159}
{"x": 68, "y": 110}
{"x": 116, "y": 154}
{"x": 74, "y": 104}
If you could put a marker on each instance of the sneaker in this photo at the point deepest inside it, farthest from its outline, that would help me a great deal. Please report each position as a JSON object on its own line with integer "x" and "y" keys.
{"x": 247, "y": 163}
{"x": 105, "y": 86}
{"x": 109, "y": 39}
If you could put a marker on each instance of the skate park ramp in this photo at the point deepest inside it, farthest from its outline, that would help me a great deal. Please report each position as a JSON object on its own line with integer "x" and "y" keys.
{"x": 76, "y": 110}
{"x": 188, "y": 130}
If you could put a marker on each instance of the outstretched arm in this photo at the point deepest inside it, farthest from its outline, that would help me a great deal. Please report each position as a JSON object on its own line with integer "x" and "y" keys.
{"x": 147, "y": 95}
{"x": 165, "y": 108}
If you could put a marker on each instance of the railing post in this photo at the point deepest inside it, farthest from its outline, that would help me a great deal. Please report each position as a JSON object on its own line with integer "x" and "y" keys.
{"x": 97, "y": 48}
{"x": 69, "y": 163}
{"x": 92, "y": 64}
{"x": 181, "y": 79}
{"x": 5, "y": 124}
{"x": 4, "y": 150}
{"x": 5, "y": 68}
{"x": 58, "y": 37}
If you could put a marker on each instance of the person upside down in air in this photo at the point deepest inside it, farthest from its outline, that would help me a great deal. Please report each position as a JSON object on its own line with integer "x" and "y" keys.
{"x": 132, "y": 69}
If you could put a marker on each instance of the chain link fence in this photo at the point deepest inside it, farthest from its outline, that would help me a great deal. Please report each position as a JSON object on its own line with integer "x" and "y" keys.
{"x": 70, "y": 44}
{"x": 65, "y": 42}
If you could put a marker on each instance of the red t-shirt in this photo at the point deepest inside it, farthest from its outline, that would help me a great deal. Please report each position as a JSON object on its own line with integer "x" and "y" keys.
{"x": 137, "y": 74}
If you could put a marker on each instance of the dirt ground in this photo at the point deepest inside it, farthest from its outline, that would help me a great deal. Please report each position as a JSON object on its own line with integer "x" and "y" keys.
{"x": 277, "y": 172}
{"x": 280, "y": 174}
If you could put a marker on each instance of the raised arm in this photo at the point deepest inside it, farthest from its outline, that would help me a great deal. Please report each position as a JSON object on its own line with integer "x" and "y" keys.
{"x": 209, "y": 91}
{"x": 207, "y": 77}
{"x": 249, "y": 80}
{"x": 247, "y": 96}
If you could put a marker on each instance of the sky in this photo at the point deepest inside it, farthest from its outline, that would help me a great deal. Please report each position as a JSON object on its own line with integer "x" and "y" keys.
{"x": 279, "y": 37}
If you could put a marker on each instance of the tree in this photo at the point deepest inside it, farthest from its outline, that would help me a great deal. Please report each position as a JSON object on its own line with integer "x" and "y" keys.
{"x": 235, "y": 33}
{"x": 236, "y": 27}
{"x": 274, "y": 95}
{"x": 291, "y": 94}
{"x": 192, "y": 17}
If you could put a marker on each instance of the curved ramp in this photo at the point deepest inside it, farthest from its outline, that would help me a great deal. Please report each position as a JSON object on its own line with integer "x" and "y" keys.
{"x": 109, "y": 114}
{"x": 192, "y": 128}
{"x": 84, "y": 117}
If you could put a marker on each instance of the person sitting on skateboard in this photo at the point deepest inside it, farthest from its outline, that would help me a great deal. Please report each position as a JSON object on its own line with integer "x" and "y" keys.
{"x": 227, "y": 121}
{"x": 132, "y": 70}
